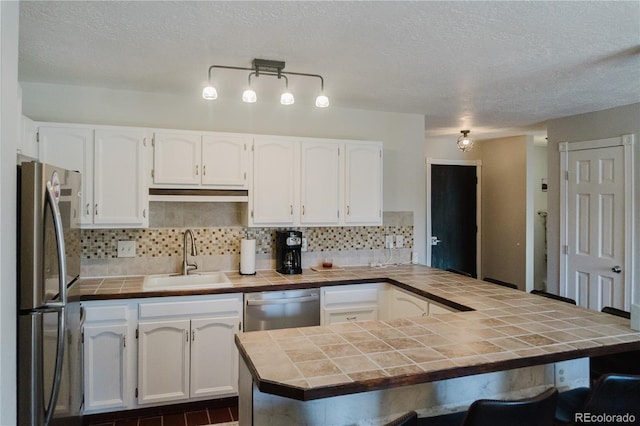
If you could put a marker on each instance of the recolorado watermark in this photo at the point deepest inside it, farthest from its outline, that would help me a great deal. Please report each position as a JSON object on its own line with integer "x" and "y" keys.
{"x": 605, "y": 418}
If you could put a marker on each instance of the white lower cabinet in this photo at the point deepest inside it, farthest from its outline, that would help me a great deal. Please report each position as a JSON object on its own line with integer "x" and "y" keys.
{"x": 402, "y": 304}
{"x": 107, "y": 339}
{"x": 348, "y": 303}
{"x": 186, "y": 349}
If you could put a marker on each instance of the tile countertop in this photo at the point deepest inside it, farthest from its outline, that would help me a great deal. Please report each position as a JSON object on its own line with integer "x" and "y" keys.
{"x": 501, "y": 329}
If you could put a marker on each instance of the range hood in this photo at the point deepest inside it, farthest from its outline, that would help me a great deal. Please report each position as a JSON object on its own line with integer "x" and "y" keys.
{"x": 198, "y": 195}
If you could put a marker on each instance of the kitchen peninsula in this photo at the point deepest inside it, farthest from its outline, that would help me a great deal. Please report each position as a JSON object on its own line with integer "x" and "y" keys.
{"x": 501, "y": 343}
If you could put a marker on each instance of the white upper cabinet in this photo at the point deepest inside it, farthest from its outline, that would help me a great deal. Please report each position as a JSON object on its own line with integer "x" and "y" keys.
{"x": 71, "y": 148}
{"x": 224, "y": 160}
{"x": 363, "y": 183}
{"x": 321, "y": 171}
{"x": 200, "y": 160}
{"x": 176, "y": 158}
{"x": 274, "y": 181}
{"x": 120, "y": 194}
{"x": 111, "y": 162}
{"x": 28, "y": 145}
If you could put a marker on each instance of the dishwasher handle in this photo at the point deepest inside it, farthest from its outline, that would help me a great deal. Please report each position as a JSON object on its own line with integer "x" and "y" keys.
{"x": 262, "y": 302}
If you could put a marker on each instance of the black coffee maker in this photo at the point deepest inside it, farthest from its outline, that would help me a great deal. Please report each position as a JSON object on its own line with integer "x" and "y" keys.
{"x": 288, "y": 248}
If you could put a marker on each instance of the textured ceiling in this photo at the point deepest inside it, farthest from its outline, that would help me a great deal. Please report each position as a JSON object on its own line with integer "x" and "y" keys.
{"x": 494, "y": 67}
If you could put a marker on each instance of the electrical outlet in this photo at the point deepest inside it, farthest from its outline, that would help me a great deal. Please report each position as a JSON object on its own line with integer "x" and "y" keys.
{"x": 126, "y": 249}
{"x": 303, "y": 246}
{"x": 399, "y": 241}
{"x": 560, "y": 375}
{"x": 388, "y": 241}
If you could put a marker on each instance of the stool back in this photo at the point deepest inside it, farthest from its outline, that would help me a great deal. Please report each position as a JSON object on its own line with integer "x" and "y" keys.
{"x": 535, "y": 411}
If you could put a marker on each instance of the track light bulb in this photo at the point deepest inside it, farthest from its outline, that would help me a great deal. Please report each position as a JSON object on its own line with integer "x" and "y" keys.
{"x": 322, "y": 101}
{"x": 249, "y": 96}
{"x": 287, "y": 98}
{"x": 209, "y": 93}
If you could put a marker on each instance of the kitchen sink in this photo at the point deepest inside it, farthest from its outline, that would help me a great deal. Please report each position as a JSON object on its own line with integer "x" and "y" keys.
{"x": 193, "y": 281}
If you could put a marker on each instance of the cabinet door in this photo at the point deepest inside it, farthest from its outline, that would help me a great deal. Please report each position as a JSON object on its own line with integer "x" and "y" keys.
{"x": 404, "y": 304}
{"x": 163, "y": 361}
{"x": 273, "y": 182}
{"x": 71, "y": 148}
{"x": 176, "y": 158}
{"x": 224, "y": 161}
{"x": 363, "y": 183}
{"x": 120, "y": 194}
{"x": 214, "y": 357}
{"x": 320, "y": 183}
{"x": 105, "y": 367}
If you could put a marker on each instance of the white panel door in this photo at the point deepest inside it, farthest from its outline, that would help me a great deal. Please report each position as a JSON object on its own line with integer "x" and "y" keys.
{"x": 120, "y": 193}
{"x": 105, "y": 360}
{"x": 71, "y": 148}
{"x": 273, "y": 181}
{"x": 163, "y": 361}
{"x": 320, "y": 183}
{"x": 214, "y": 356}
{"x": 363, "y": 183}
{"x": 224, "y": 161}
{"x": 596, "y": 228}
{"x": 176, "y": 158}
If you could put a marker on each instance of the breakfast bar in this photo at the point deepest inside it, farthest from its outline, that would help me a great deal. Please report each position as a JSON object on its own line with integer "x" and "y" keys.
{"x": 501, "y": 343}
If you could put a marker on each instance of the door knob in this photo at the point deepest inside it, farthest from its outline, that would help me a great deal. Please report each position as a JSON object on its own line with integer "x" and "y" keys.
{"x": 616, "y": 269}
{"x": 434, "y": 241}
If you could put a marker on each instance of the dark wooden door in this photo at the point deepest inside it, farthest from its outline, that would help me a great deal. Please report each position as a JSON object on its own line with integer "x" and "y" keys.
{"x": 453, "y": 217}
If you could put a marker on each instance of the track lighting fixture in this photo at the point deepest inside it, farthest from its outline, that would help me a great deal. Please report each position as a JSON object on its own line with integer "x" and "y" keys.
{"x": 262, "y": 67}
{"x": 465, "y": 143}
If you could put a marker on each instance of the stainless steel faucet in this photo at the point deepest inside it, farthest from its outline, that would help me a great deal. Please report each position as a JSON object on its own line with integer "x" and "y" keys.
{"x": 186, "y": 266}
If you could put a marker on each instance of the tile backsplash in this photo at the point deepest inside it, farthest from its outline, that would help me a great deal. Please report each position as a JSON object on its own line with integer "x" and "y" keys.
{"x": 159, "y": 248}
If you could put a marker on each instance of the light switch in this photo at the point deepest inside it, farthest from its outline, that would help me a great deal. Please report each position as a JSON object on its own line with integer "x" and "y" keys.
{"x": 126, "y": 249}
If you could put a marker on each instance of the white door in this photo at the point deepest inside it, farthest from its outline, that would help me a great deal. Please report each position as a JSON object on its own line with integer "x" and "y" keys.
{"x": 71, "y": 148}
{"x": 105, "y": 367}
{"x": 595, "y": 246}
{"x": 214, "y": 357}
{"x": 274, "y": 181}
{"x": 320, "y": 183}
{"x": 119, "y": 187}
{"x": 224, "y": 161}
{"x": 363, "y": 183}
{"x": 176, "y": 158}
{"x": 163, "y": 361}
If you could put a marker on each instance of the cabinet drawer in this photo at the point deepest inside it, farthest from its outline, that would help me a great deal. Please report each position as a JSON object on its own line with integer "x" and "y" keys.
{"x": 363, "y": 313}
{"x": 106, "y": 314}
{"x": 353, "y": 295}
{"x": 229, "y": 304}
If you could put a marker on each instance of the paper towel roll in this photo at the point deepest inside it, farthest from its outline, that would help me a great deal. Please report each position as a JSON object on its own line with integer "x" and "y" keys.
{"x": 247, "y": 257}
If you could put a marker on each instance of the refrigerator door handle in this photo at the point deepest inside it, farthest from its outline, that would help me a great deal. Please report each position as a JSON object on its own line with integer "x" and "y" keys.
{"x": 62, "y": 265}
{"x": 55, "y": 389}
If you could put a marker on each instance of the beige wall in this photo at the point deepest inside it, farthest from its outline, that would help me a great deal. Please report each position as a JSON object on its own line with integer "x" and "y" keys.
{"x": 9, "y": 98}
{"x": 504, "y": 209}
{"x": 594, "y": 125}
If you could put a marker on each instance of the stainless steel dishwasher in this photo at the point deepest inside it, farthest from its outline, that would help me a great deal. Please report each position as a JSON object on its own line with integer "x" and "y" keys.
{"x": 271, "y": 310}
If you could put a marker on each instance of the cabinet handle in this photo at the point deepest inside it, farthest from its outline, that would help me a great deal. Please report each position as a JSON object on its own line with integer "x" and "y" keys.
{"x": 95, "y": 209}
{"x": 88, "y": 209}
{"x": 352, "y": 318}
{"x": 186, "y": 334}
{"x": 124, "y": 341}
{"x": 196, "y": 170}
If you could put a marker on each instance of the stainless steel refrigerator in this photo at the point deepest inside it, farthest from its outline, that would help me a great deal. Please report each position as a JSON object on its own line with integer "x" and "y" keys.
{"x": 49, "y": 355}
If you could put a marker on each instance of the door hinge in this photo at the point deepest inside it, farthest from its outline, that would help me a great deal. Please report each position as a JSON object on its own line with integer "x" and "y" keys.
{"x": 37, "y": 136}
{"x": 136, "y": 392}
{"x": 153, "y": 141}
{"x": 240, "y": 326}
{"x": 124, "y": 341}
{"x": 152, "y": 176}
{"x": 137, "y": 332}
{"x": 82, "y": 337}
{"x": 251, "y": 214}
{"x": 565, "y": 249}
{"x": 566, "y": 175}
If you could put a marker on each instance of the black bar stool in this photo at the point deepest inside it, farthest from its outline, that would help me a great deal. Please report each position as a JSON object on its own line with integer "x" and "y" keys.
{"x": 553, "y": 296}
{"x": 538, "y": 410}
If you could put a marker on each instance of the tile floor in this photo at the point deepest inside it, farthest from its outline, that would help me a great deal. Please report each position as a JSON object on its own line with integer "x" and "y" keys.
{"x": 207, "y": 416}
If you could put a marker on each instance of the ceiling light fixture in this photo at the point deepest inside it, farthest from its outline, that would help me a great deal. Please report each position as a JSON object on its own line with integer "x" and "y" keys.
{"x": 266, "y": 67}
{"x": 465, "y": 143}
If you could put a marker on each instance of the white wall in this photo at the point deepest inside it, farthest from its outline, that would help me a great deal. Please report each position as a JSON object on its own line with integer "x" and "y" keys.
{"x": 402, "y": 134}
{"x": 594, "y": 125}
{"x": 9, "y": 12}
